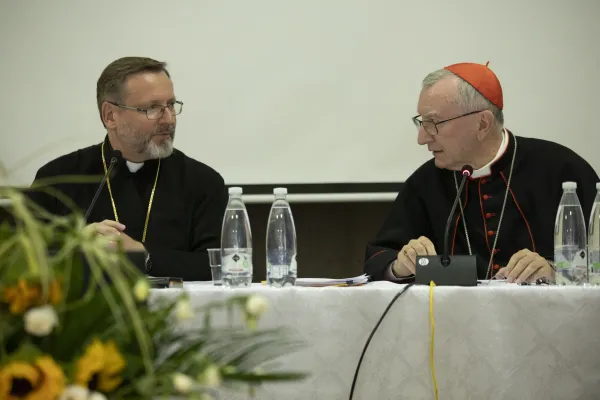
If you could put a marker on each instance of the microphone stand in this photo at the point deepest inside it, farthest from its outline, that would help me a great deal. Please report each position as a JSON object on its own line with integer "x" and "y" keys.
{"x": 445, "y": 260}
{"x": 444, "y": 270}
{"x": 113, "y": 161}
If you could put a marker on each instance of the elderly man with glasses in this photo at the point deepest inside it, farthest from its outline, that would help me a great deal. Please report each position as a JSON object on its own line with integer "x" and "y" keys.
{"x": 507, "y": 207}
{"x": 156, "y": 199}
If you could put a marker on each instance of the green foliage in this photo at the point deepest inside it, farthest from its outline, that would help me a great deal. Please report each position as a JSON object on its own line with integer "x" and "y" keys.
{"x": 101, "y": 324}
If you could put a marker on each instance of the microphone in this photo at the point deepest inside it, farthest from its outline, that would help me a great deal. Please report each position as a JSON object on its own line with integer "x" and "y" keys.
{"x": 466, "y": 172}
{"x": 113, "y": 160}
{"x": 443, "y": 270}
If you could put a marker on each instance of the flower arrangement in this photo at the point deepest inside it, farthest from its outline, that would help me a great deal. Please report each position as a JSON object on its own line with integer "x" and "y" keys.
{"x": 77, "y": 322}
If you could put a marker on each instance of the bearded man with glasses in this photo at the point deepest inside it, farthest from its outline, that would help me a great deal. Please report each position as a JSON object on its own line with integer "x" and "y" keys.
{"x": 507, "y": 207}
{"x": 156, "y": 199}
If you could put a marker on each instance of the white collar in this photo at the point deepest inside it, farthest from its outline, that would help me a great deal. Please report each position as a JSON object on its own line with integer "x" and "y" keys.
{"x": 486, "y": 169}
{"x": 134, "y": 167}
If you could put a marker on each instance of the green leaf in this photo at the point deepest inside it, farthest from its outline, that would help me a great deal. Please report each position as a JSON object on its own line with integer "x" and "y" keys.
{"x": 6, "y": 231}
{"x": 11, "y": 331}
{"x": 134, "y": 368}
{"x": 145, "y": 385}
{"x": 207, "y": 319}
{"x": 266, "y": 377}
{"x": 14, "y": 266}
{"x": 78, "y": 325}
{"x": 71, "y": 264}
{"x": 184, "y": 354}
{"x": 26, "y": 352}
{"x": 156, "y": 317}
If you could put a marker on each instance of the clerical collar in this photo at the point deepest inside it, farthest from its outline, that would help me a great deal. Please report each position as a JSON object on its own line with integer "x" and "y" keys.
{"x": 134, "y": 167}
{"x": 131, "y": 166}
{"x": 487, "y": 169}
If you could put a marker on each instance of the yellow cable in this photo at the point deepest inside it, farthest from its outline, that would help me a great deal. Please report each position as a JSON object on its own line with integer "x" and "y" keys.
{"x": 431, "y": 347}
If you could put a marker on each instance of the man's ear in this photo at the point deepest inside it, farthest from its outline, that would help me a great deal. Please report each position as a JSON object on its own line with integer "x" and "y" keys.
{"x": 486, "y": 122}
{"x": 108, "y": 115}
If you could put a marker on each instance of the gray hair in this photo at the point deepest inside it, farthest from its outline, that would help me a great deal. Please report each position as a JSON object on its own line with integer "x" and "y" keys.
{"x": 468, "y": 97}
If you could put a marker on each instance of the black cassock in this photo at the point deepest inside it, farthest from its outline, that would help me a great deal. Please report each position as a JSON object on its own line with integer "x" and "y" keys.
{"x": 423, "y": 206}
{"x": 187, "y": 209}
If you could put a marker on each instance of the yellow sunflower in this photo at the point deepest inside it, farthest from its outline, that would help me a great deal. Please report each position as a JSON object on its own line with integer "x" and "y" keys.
{"x": 25, "y": 295}
{"x": 42, "y": 380}
{"x": 100, "y": 367}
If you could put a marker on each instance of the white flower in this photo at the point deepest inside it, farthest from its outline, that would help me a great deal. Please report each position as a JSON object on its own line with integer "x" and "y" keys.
{"x": 256, "y": 305}
{"x": 183, "y": 310}
{"x": 211, "y": 377}
{"x": 75, "y": 392}
{"x": 182, "y": 383}
{"x": 40, "y": 321}
{"x": 141, "y": 290}
{"x": 97, "y": 396}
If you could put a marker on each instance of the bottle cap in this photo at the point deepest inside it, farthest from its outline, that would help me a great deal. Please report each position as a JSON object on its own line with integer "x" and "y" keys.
{"x": 235, "y": 190}
{"x": 280, "y": 190}
{"x": 569, "y": 185}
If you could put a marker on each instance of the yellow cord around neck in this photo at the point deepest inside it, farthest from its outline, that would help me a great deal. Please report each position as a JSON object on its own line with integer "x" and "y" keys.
{"x": 112, "y": 200}
{"x": 431, "y": 345}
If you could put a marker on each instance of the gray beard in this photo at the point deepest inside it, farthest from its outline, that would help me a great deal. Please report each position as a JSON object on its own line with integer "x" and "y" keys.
{"x": 142, "y": 144}
{"x": 154, "y": 151}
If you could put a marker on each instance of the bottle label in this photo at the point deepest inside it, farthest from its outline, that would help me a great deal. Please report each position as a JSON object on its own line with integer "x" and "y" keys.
{"x": 571, "y": 267}
{"x": 237, "y": 261}
{"x": 594, "y": 259}
{"x": 594, "y": 273}
{"x": 578, "y": 261}
{"x": 280, "y": 266}
{"x": 276, "y": 270}
{"x": 294, "y": 264}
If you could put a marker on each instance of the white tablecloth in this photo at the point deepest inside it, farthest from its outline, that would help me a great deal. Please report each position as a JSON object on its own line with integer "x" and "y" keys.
{"x": 496, "y": 342}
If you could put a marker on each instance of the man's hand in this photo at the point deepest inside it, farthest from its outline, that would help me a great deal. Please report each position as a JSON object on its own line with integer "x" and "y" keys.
{"x": 129, "y": 244}
{"x": 526, "y": 266}
{"x": 115, "y": 231}
{"x": 106, "y": 228}
{"x": 405, "y": 264}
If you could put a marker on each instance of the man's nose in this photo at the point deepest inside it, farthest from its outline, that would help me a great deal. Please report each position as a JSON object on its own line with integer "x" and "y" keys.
{"x": 423, "y": 137}
{"x": 167, "y": 117}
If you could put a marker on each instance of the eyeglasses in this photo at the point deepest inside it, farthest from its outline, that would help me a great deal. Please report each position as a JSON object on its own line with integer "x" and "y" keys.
{"x": 156, "y": 111}
{"x": 431, "y": 127}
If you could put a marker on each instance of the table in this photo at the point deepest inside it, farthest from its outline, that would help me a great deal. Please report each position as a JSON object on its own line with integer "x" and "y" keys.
{"x": 494, "y": 342}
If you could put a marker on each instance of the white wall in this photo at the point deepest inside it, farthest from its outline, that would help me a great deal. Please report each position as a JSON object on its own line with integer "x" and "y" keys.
{"x": 288, "y": 91}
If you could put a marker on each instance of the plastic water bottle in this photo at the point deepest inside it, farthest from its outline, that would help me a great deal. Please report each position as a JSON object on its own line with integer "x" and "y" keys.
{"x": 236, "y": 243}
{"x": 594, "y": 241}
{"x": 570, "y": 239}
{"x": 281, "y": 251}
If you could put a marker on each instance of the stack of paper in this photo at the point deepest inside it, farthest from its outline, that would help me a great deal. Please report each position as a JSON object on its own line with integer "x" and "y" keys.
{"x": 321, "y": 282}
{"x": 164, "y": 282}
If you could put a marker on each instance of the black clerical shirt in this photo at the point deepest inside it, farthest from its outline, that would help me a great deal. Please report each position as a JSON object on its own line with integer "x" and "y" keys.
{"x": 186, "y": 215}
{"x": 423, "y": 206}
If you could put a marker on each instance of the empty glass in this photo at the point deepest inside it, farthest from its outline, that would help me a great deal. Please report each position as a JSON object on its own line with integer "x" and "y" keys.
{"x": 214, "y": 259}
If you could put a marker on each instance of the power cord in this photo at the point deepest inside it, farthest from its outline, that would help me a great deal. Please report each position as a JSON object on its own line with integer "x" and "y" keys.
{"x": 431, "y": 342}
{"x": 396, "y": 297}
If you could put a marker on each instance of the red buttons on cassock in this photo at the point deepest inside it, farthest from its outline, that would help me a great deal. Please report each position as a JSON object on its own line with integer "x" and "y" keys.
{"x": 483, "y": 181}
{"x": 491, "y": 233}
{"x": 496, "y": 251}
{"x": 496, "y": 267}
{"x": 489, "y": 215}
{"x": 486, "y": 196}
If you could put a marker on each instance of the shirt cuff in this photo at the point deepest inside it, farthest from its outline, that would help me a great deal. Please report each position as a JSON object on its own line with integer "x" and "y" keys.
{"x": 389, "y": 275}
